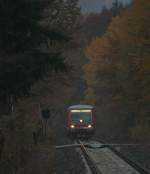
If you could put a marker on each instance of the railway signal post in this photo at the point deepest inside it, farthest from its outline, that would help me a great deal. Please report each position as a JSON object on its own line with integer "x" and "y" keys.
{"x": 45, "y": 115}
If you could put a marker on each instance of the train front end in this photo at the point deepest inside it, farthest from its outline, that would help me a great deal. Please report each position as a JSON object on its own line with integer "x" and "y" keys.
{"x": 81, "y": 120}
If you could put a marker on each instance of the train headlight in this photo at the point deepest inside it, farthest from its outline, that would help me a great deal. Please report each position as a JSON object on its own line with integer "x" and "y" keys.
{"x": 81, "y": 121}
{"x": 72, "y": 126}
{"x": 89, "y": 126}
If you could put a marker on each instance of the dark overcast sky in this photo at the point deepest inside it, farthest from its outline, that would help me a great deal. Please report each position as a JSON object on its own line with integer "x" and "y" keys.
{"x": 96, "y": 5}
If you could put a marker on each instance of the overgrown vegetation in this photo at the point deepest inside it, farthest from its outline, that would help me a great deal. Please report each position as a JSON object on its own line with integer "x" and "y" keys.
{"x": 33, "y": 36}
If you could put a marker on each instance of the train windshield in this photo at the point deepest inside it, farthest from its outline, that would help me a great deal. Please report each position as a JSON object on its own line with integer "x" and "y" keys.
{"x": 81, "y": 116}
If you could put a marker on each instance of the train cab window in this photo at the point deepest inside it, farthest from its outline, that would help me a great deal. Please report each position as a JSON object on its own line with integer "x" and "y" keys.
{"x": 81, "y": 116}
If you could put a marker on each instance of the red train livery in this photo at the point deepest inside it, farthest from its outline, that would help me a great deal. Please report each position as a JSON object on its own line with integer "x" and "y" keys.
{"x": 81, "y": 120}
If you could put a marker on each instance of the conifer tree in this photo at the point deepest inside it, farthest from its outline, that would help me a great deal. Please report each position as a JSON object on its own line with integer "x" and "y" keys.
{"x": 25, "y": 56}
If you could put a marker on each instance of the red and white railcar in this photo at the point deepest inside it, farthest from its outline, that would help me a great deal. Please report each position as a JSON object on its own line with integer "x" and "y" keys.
{"x": 81, "y": 119}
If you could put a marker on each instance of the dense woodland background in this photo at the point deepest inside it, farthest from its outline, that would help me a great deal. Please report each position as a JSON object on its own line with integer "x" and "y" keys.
{"x": 117, "y": 73}
{"x": 52, "y": 54}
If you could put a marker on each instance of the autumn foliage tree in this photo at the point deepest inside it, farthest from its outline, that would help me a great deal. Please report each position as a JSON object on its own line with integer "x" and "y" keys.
{"x": 118, "y": 72}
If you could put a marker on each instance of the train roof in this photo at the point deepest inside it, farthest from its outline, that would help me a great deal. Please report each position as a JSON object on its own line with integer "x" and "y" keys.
{"x": 81, "y": 107}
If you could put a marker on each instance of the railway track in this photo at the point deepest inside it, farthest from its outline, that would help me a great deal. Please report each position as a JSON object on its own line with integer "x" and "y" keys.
{"x": 135, "y": 165}
{"x": 108, "y": 160}
{"x": 91, "y": 164}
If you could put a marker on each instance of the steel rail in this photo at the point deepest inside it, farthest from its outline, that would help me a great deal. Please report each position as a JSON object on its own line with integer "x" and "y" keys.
{"x": 132, "y": 163}
{"x": 91, "y": 164}
{"x": 93, "y": 167}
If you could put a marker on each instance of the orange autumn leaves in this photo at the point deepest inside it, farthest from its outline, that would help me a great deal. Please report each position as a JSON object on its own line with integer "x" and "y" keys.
{"x": 118, "y": 71}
